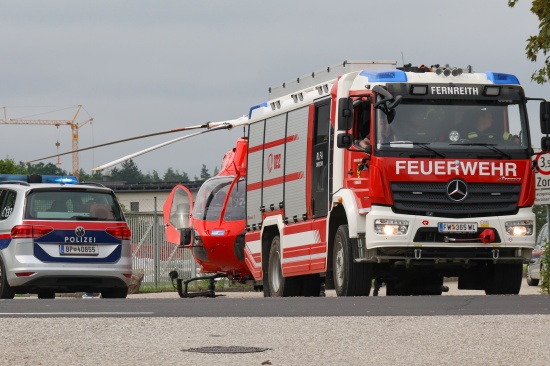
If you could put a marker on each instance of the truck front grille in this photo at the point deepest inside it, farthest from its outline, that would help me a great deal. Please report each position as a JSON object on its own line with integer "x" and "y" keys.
{"x": 430, "y": 199}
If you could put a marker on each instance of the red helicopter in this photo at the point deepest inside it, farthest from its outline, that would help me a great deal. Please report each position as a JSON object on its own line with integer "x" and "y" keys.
{"x": 214, "y": 229}
{"x": 213, "y": 226}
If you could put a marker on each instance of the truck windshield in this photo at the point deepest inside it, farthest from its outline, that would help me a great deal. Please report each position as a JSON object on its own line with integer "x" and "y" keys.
{"x": 451, "y": 124}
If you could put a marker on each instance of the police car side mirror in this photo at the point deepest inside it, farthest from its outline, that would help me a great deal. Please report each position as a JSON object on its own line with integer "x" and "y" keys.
{"x": 345, "y": 115}
{"x": 344, "y": 140}
{"x": 545, "y": 117}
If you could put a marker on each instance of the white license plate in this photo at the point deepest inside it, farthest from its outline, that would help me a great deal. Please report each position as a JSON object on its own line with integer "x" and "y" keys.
{"x": 462, "y": 227}
{"x": 70, "y": 249}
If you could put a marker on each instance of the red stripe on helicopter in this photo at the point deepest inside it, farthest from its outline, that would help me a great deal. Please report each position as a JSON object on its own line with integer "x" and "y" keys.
{"x": 271, "y": 144}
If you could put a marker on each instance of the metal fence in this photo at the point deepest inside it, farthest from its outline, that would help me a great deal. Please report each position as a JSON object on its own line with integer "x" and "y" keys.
{"x": 152, "y": 255}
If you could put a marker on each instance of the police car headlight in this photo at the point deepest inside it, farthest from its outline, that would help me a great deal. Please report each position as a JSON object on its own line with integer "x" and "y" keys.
{"x": 519, "y": 228}
{"x": 391, "y": 227}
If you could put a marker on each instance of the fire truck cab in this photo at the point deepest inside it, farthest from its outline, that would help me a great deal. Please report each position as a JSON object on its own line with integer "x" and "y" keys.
{"x": 405, "y": 174}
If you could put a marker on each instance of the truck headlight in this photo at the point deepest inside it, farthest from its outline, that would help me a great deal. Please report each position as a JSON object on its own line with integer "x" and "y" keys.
{"x": 519, "y": 228}
{"x": 390, "y": 227}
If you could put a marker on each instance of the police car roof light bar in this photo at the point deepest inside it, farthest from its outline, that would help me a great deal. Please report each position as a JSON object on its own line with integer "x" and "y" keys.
{"x": 34, "y": 178}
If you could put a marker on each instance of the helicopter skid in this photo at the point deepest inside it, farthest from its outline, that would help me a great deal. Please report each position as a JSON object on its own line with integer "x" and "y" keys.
{"x": 210, "y": 292}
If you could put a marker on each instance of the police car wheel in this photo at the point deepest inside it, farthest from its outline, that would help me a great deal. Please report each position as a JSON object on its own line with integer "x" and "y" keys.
{"x": 530, "y": 281}
{"x": 6, "y": 291}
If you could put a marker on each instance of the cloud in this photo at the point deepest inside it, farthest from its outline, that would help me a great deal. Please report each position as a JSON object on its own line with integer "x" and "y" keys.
{"x": 140, "y": 67}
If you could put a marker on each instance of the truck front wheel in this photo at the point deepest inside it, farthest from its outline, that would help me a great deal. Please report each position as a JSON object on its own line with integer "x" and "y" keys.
{"x": 504, "y": 279}
{"x": 350, "y": 278}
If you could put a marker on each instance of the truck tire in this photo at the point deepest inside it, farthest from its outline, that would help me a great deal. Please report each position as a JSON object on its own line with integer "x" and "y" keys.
{"x": 311, "y": 285}
{"x": 46, "y": 294}
{"x": 504, "y": 279}
{"x": 279, "y": 286}
{"x": 6, "y": 291}
{"x": 114, "y": 293}
{"x": 350, "y": 278}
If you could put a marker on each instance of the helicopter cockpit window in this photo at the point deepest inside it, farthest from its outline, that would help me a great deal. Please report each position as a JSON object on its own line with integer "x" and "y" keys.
{"x": 211, "y": 197}
{"x": 236, "y": 204}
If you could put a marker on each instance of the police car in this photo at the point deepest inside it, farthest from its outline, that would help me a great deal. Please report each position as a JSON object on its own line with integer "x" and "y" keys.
{"x": 58, "y": 236}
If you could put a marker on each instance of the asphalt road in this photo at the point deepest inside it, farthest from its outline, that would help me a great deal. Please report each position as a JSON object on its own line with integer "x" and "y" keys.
{"x": 246, "y": 329}
{"x": 280, "y": 307}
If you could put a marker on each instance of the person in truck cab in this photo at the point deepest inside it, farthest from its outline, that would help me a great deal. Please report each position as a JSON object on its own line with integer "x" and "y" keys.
{"x": 484, "y": 130}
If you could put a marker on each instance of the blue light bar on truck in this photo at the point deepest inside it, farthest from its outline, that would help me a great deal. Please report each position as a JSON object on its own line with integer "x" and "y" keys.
{"x": 264, "y": 104}
{"x": 385, "y": 76}
{"x": 499, "y": 78}
{"x": 62, "y": 179}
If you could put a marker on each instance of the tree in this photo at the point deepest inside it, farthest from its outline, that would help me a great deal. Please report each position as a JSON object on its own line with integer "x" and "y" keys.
{"x": 8, "y": 166}
{"x": 45, "y": 169}
{"x": 541, "y": 42}
{"x": 129, "y": 173}
{"x": 97, "y": 175}
{"x": 152, "y": 177}
{"x": 175, "y": 176}
{"x": 204, "y": 173}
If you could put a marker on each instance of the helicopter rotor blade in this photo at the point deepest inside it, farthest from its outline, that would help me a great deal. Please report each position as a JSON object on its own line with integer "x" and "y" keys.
{"x": 209, "y": 125}
{"x": 224, "y": 125}
{"x": 127, "y": 157}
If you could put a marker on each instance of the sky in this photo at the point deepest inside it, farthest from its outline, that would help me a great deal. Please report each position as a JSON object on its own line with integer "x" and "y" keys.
{"x": 139, "y": 67}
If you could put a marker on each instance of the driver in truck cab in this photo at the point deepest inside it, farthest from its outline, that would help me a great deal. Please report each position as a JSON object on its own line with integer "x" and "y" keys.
{"x": 484, "y": 130}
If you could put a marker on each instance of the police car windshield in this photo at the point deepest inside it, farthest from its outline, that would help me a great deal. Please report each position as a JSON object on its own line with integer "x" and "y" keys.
{"x": 445, "y": 123}
{"x": 72, "y": 205}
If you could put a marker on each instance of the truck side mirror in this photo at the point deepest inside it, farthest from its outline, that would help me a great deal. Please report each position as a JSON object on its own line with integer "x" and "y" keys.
{"x": 545, "y": 117}
{"x": 345, "y": 115}
{"x": 344, "y": 140}
{"x": 545, "y": 144}
{"x": 185, "y": 236}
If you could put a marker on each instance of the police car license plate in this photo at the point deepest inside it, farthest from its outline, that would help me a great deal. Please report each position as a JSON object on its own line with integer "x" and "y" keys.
{"x": 463, "y": 227}
{"x": 70, "y": 249}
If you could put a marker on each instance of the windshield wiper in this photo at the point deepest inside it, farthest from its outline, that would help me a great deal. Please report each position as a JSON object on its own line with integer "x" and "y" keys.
{"x": 491, "y": 147}
{"x": 423, "y": 145}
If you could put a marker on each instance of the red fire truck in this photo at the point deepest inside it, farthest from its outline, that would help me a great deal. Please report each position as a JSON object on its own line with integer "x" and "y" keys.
{"x": 407, "y": 175}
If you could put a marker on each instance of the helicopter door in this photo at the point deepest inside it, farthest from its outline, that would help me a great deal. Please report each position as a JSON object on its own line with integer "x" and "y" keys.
{"x": 176, "y": 211}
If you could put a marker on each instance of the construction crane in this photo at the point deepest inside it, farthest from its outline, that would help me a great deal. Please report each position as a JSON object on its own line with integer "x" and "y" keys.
{"x": 75, "y": 126}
